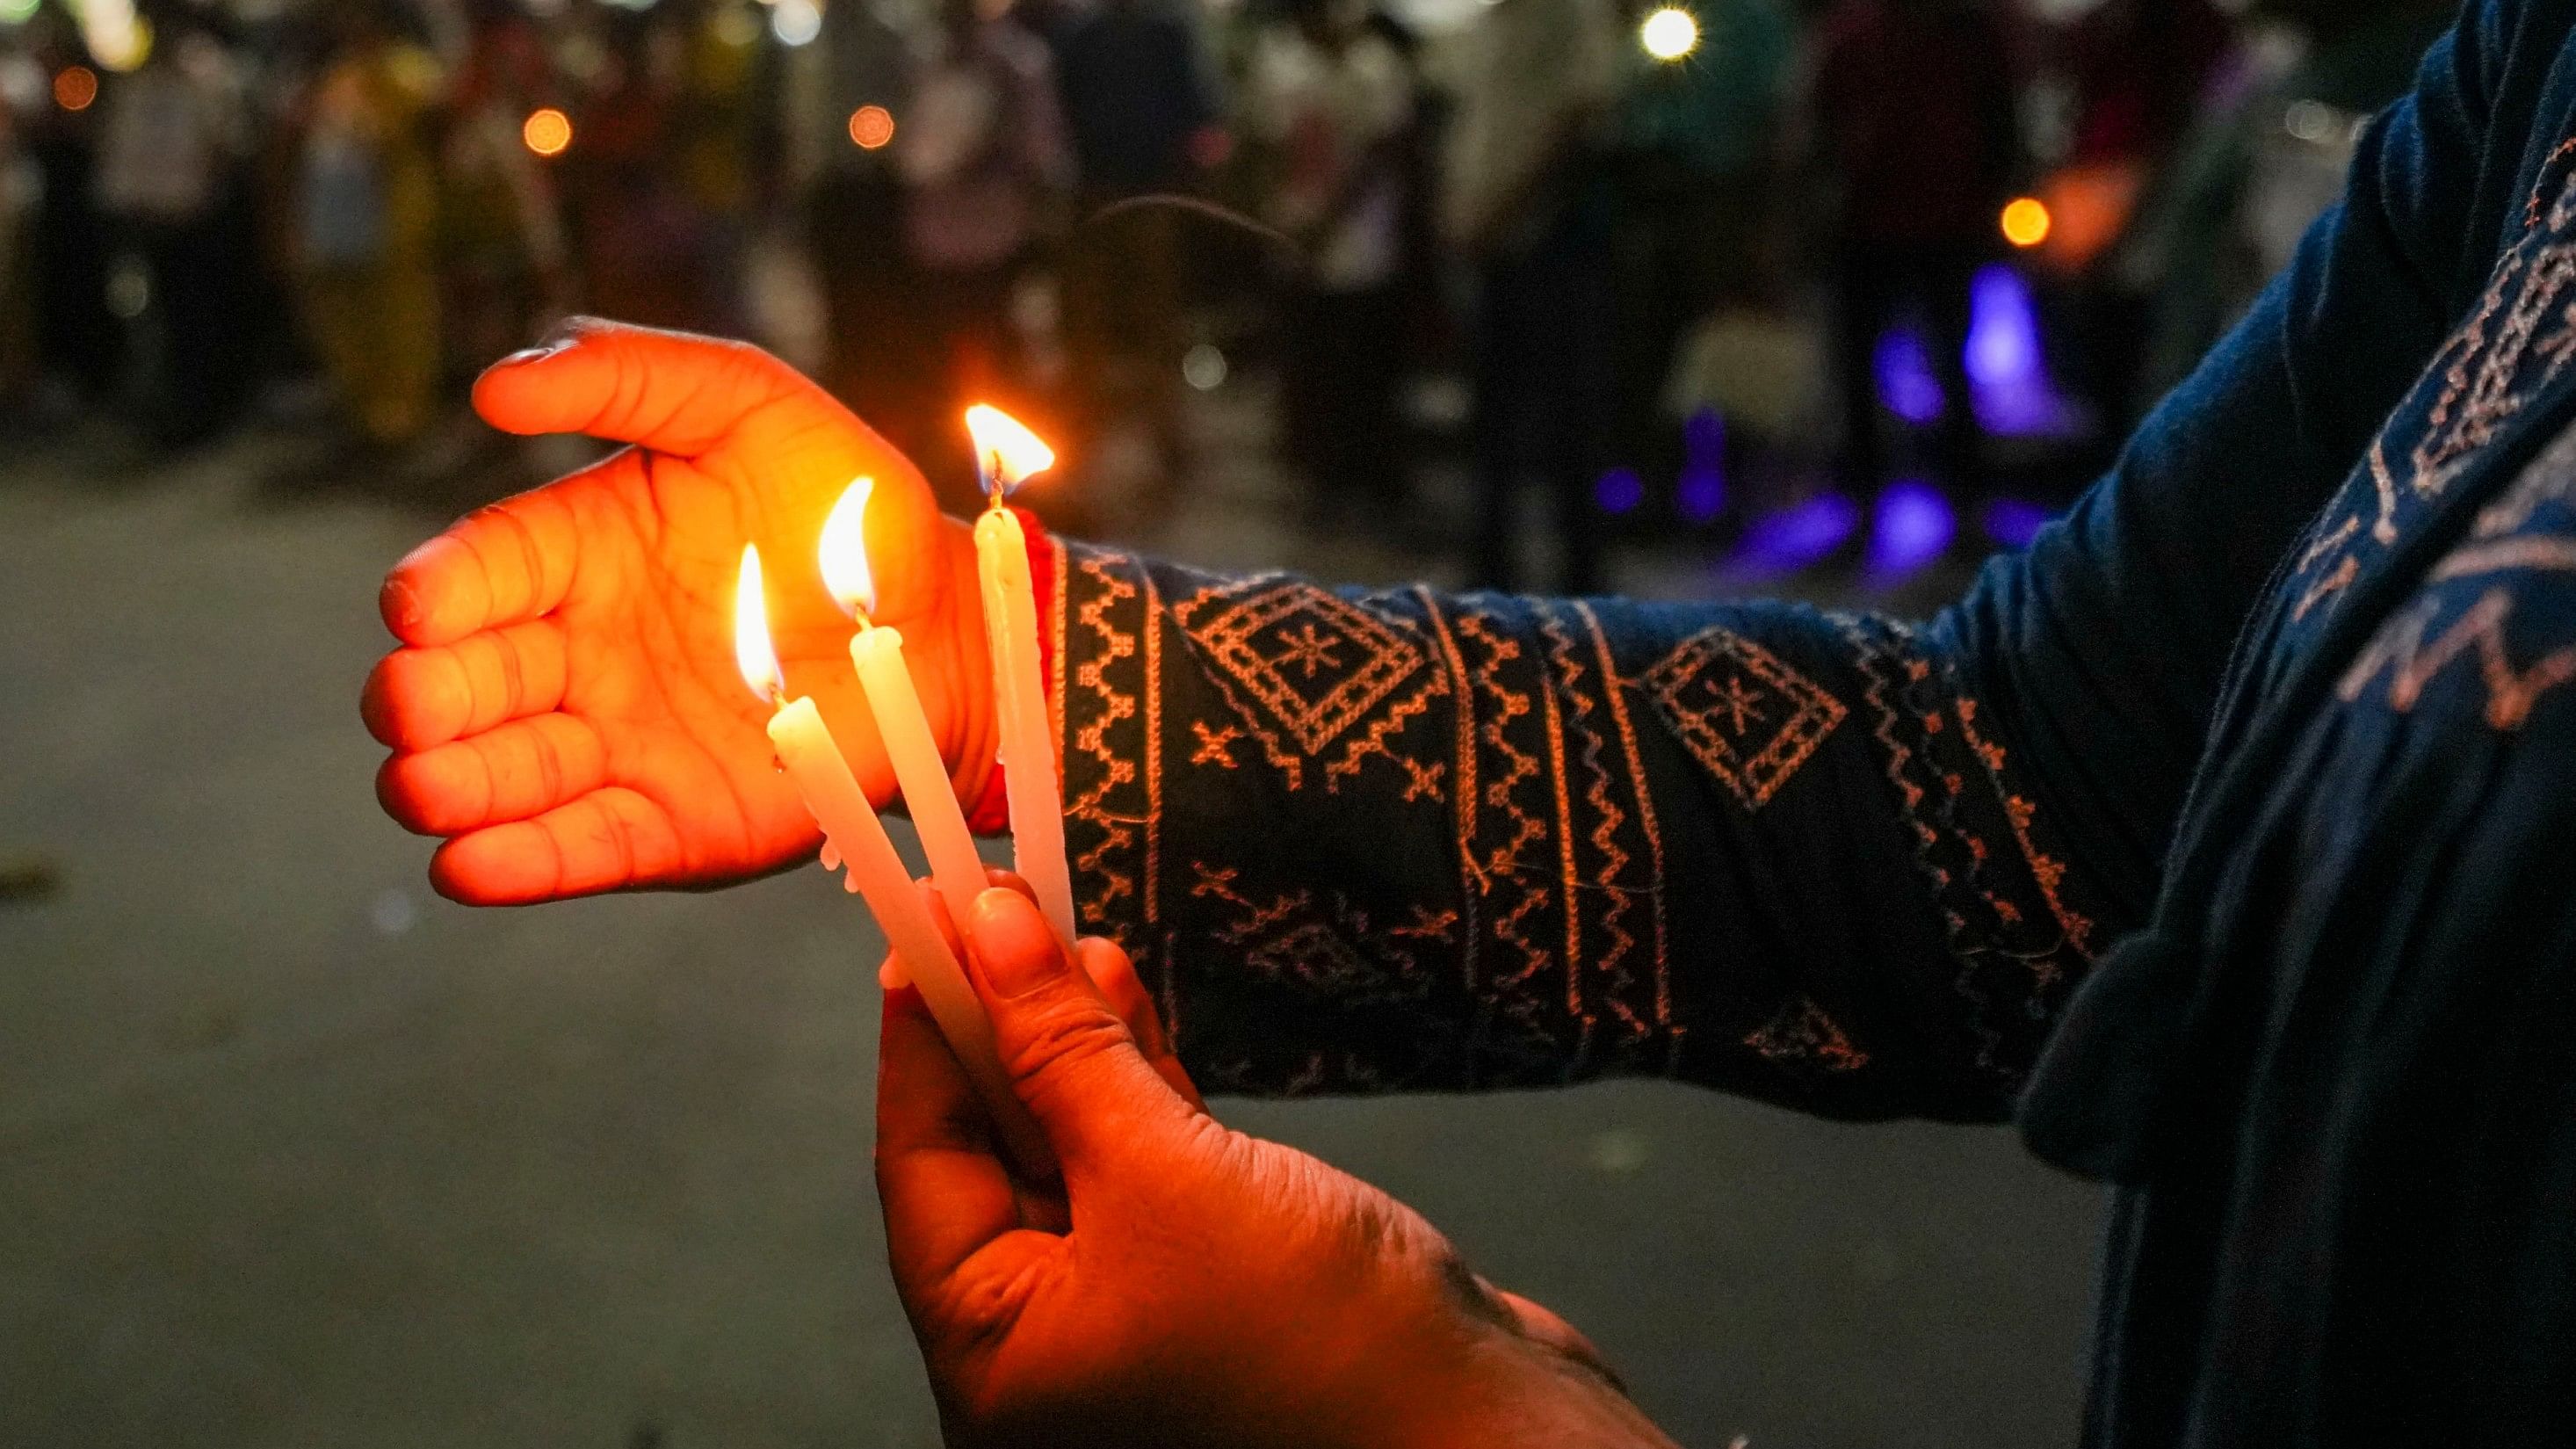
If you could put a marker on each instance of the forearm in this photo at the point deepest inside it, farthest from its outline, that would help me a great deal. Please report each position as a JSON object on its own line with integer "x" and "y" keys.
{"x": 1398, "y": 840}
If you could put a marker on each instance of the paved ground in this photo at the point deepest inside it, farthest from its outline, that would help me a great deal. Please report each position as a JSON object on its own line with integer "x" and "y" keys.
{"x": 293, "y": 1153}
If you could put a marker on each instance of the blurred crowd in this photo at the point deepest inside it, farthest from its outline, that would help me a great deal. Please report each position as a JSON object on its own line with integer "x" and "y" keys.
{"x": 1619, "y": 265}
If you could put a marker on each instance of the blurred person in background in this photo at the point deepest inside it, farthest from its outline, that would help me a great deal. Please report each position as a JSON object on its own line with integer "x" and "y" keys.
{"x": 1332, "y": 96}
{"x": 986, "y": 168}
{"x": 637, "y": 226}
{"x": 1912, "y": 113}
{"x": 77, "y": 338}
{"x": 21, "y": 190}
{"x": 365, "y": 224}
{"x": 171, "y": 186}
{"x": 1141, "y": 104}
{"x": 853, "y": 208}
{"x": 2139, "y": 71}
{"x": 2268, "y": 156}
{"x": 507, "y": 259}
{"x": 1696, "y": 138}
{"x": 1528, "y": 204}
{"x": 718, "y": 114}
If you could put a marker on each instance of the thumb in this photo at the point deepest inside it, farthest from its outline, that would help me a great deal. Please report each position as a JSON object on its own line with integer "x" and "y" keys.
{"x": 1071, "y": 1059}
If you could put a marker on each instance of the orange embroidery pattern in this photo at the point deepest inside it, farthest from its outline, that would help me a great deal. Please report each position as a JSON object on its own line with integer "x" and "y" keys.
{"x": 1803, "y": 1033}
{"x": 1108, "y": 706}
{"x": 1608, "y": 820}
{"x": 1502, "y": 868}
{"x": 1747, "y": 717}
{"x": 1216, "y": 746}
{"x": 1611, "y": 686}
{"x": 2412, "y": 664}
{"x": 1317, "y": 663}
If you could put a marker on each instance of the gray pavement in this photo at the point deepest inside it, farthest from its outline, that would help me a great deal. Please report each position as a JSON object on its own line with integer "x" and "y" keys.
{"x": 293, "y": 1153}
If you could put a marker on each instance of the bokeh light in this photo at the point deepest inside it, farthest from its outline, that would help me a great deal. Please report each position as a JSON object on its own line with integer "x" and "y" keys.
{"x": 1668, "y": 34}
{"x": 75, "y": 87}
{"x": 1619, "y": 490}
{"x": 2026, "y": 221}
{"x": 19, "y": 12}
{"x": 871, "y": 127}
{"x": 1792, "y": 539}
{"x": 795, "y": 22}
{"x": 1910, "y": 527}
{"x": 547, "y": 131}
{"x": 1204, "y": 367}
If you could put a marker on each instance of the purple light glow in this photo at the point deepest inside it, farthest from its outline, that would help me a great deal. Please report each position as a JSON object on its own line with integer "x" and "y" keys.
{"x": 2014, "y": 522}
{"x": 2007, "y": 370}
{"x": 1910, "y": 527}
{"x": 1794, "y": 538}
{"x": 1699, "y": 495}
{"x": 1619, "y": 491}
{"x": 1907, "y": 386}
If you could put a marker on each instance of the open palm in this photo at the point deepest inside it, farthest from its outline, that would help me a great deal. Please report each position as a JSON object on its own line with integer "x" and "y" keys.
{"x": 566, "y": 709}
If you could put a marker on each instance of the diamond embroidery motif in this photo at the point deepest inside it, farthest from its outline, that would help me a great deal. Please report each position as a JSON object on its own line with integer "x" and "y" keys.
{"x": 1316, "y": 663}
{"x": 1749, "y": 718}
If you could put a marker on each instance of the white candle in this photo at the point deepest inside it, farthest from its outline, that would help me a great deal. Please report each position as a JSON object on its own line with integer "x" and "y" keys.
{"x": 854, "y": 838}
{"x": 1028, "y": 733}
{"x": 902, "y": 726}
{"x": 1007, "y": 453}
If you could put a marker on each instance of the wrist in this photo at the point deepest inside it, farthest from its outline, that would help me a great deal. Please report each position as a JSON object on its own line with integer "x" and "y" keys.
{"x": 1510, "y": 1390}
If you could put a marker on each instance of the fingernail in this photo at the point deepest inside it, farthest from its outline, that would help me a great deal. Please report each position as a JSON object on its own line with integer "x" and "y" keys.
{"x": 562, "y": 340}
{"x": 1016, "y": 946}
{"x": 400, "y": 604}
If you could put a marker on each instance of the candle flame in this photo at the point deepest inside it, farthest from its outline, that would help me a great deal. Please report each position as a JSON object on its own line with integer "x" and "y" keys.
{"x": 752, "y": 653}
{"x": 1005, "y": 446}
{"x": 845, "y": 551}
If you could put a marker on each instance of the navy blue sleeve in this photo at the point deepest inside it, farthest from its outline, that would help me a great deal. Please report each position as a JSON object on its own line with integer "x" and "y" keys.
{"x": 1396, "y": 840}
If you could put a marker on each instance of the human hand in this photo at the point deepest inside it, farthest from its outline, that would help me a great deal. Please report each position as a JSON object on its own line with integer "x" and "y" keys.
{"x": 566, "y": 710}
{"x": 1212, "y": 1288}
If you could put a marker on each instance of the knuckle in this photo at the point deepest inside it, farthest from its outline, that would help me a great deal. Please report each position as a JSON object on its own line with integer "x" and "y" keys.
{"x": 1063, "y": 1041}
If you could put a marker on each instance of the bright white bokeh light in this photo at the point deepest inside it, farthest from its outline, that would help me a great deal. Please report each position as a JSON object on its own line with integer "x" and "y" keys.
{"x": 1669, "y": 33}
{"x": 795, "y": 22}
{"x": 1203, "y": 367}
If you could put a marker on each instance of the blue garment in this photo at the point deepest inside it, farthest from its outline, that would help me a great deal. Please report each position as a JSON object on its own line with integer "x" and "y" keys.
{"x": 2223, "y": 837}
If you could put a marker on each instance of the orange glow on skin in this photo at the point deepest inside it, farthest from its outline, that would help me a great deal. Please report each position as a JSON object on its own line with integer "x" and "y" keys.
{"x": 871, "y": 127}
{"x": 548, "y": 132}
{"x": 2026, "y": 222}
{"x": 75, "y": 87}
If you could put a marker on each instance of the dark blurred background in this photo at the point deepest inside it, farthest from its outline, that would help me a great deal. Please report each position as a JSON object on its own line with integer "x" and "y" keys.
{"x": 1728, "y": 297}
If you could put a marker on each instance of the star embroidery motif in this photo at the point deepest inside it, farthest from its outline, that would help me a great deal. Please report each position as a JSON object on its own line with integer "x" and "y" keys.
{"x": 1742, "y": 705}
{"x": 1309, "y": 650}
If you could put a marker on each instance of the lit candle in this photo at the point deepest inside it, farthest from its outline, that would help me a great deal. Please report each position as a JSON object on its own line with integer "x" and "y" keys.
{"x": 854, "y": 838}
{"x": 928, "y": 796}
{"x": 1006, "y": 453}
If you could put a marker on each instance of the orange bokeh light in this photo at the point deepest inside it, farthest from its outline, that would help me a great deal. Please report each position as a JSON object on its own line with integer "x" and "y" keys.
{"x": 871, "y": 127}
{"x": 548, "y": 132}
{"x": 2027, "y": 223}
{"x": 75, "y": 87}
